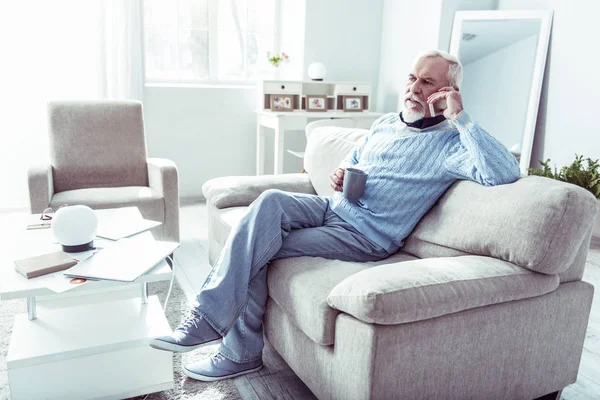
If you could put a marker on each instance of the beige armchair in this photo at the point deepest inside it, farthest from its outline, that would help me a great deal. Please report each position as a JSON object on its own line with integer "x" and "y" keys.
{"x": 98, "y": 158}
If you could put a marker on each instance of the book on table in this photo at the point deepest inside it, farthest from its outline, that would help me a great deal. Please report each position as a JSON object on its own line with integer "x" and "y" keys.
{"x": 44, "y": 264}
{"x": 124, "y": 260}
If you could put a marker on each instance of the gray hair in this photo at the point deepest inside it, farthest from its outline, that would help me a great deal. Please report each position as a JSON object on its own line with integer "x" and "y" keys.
{"x": 455, "y": 71}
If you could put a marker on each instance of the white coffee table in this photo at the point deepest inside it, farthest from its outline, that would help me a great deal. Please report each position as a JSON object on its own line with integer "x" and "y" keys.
{"x": 88, "y": 343}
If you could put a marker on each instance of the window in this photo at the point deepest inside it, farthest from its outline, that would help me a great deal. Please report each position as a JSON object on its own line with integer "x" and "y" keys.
{"x": 209, "y": 41}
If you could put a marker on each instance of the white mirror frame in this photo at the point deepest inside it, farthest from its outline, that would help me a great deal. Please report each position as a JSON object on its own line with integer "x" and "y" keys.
{"x": 545, "y": 17}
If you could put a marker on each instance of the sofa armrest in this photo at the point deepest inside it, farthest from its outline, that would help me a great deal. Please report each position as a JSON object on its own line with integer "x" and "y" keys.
{"x": 233, "y": 191}
{"x": 163, "y": 177}
{"x": 427, "y": 288}
{"x": 41, "y": 187}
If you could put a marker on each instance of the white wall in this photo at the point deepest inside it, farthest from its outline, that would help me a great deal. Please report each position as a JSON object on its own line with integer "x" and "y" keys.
{"x": 496, "y": 90}
{"x": 566, "y": 119}
{"x": 206, "y": 132}
{"x": 345, "y": 35}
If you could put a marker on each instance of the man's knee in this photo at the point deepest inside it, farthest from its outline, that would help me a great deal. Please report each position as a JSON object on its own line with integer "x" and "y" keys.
{"x": 271, "y": 196}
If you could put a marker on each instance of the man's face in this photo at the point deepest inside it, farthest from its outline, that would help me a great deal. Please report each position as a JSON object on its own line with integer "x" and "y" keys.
{"x": 428, "y": 76}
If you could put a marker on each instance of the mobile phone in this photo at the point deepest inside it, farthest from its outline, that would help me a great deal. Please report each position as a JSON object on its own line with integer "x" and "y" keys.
{"x": 438, "y": 107}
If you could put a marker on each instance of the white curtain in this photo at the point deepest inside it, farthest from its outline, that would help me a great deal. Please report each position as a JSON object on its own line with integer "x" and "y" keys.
{"x": 59, "y": 50}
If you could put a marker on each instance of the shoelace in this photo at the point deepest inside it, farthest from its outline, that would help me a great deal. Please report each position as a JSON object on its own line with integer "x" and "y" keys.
{"x": 217, "y": 358}
{"x": 191, "y": 319}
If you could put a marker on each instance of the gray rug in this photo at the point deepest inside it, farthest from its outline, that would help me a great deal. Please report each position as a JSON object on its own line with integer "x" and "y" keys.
{"x": 177, "y": 308}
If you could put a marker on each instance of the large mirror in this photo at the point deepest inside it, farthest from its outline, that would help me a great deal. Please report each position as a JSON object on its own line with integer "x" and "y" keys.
{"x": 503, "y": 55}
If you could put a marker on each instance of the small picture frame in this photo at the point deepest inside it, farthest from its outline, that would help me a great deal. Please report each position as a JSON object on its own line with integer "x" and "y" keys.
{"x": 316, "y": 103}
{"x": 281, "y": 102}
{"x": 352, "y": 103}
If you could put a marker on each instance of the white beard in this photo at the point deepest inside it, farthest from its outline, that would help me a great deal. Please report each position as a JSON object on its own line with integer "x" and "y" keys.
{"x": 412, "y": 115}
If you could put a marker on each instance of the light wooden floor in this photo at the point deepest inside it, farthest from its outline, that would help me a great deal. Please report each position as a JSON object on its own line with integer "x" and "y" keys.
{"x": 278, "y": 381}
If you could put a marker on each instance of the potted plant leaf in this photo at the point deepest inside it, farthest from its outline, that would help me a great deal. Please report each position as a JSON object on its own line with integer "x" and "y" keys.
{"x": 581, "y": 173}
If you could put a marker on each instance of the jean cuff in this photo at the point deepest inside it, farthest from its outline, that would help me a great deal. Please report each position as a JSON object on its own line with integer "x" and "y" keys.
{"x": 223, "y": 350}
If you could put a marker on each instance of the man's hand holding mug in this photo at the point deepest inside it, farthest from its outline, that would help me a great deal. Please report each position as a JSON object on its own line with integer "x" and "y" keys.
{"x": 350, "y": 181}
{"x": 337, "y": 179}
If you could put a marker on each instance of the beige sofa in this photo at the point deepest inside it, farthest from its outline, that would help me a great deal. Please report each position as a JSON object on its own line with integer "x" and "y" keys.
{"x": 484, "y": 301}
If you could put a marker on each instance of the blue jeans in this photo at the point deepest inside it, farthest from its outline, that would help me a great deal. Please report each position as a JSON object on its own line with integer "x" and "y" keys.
{"x": 278, "y": 225}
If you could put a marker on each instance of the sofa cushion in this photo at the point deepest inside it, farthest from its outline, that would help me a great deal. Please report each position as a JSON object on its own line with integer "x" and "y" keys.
{"x": 423, "y": 289}
{"x": 147, "y": 200}
{"x": 326, "y": 148}
{"x": 300, "y": 286}
{"x": 536, "y": 223}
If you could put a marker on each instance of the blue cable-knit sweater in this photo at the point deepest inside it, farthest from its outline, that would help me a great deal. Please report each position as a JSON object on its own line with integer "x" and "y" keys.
{"x": 409, "y": 169}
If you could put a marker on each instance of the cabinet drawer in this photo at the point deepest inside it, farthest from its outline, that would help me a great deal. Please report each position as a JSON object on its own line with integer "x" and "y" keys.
{"x": 348, "y": 88}
{"x": 282, "y": 87}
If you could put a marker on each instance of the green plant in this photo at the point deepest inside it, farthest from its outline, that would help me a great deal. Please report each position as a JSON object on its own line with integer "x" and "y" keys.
{"x": 276, "y": 59}
{"x": 588, "y": 177}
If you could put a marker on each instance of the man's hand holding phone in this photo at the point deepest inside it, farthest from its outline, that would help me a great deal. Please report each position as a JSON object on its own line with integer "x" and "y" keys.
{"x": 453, "y": 101}
{"x": 337, "y": 179}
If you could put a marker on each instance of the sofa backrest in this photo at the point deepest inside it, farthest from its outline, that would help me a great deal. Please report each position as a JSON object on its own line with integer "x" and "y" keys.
{"x": 537, "y": 223}
{"x": 326, "y": 148}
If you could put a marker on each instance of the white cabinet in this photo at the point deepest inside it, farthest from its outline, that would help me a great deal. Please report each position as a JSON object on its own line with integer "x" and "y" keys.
{"x": 291, "y": 96}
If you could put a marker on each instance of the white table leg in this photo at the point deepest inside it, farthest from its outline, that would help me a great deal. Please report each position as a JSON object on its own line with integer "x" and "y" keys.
{"x": 144, "y": 293}
{"x": 260, "y": 149}
{"x": 31, "y": 308}
{"x": 278, "y": 145}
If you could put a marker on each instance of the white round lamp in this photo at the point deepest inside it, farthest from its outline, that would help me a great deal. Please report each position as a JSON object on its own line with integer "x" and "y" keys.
{"x": 316, "y": 71}
{"x": 74, "y": 227}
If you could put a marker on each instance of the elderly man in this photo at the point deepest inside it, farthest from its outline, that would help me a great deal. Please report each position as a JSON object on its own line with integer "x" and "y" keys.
{"x": 411, "y": 159}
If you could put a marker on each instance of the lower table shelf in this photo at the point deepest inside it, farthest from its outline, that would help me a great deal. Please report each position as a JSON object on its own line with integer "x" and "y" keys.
{"x": 92, "y": 351}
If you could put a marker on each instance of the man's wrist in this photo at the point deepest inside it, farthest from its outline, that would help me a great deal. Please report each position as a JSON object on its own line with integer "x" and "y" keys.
{"x": 462, "y": 119}
{"x": 456, "y": 116}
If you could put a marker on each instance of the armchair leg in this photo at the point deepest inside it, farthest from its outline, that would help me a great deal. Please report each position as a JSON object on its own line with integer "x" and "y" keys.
{"x": 550, "y": 396}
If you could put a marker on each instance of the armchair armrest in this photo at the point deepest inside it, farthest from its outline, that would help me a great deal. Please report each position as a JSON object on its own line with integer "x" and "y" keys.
{"x": 233, "y": 191}
{"x": 41, "y": 187}
{"x": 163, "y": 177}
{"x": 427, "y": 288}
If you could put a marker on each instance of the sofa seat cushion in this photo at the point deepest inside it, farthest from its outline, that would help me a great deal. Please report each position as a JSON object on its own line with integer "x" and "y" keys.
{"x": 300, "y": 286}
{"x": 428, "y": 288}
{"x": 149, "y": 201}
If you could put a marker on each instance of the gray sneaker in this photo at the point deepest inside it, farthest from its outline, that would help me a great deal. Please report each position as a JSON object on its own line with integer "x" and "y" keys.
{"x": 218, "y": 367}
{"x": 193, "y": 333}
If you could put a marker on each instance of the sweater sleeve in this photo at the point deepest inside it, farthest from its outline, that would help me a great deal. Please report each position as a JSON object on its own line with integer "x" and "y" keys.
{"x": 480, "y": 157}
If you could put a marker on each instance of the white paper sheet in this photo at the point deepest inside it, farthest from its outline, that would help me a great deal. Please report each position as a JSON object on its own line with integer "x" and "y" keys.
{"x": 58, "y": 283}
{"x": 118, "y": 223}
